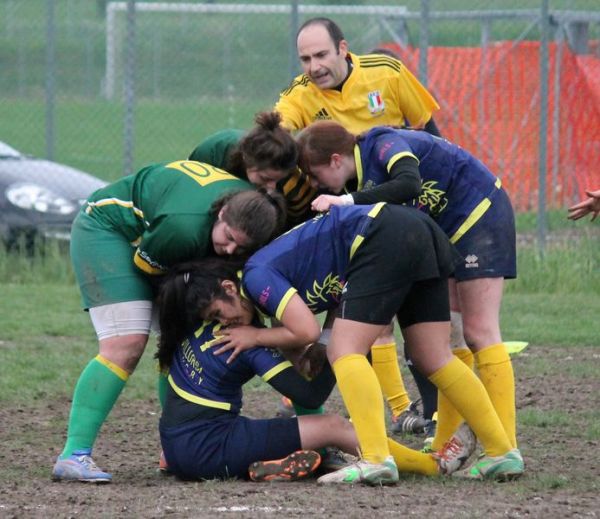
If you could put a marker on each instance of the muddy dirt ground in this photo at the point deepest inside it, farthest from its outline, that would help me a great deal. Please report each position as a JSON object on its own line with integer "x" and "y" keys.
{"x": 558, "y": 403}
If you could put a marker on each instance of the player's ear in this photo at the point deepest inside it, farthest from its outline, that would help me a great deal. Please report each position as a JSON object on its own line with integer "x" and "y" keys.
{"x": 343, "y": 48}
{"x": 336, "y": 160}
{"x": 230, "y": 287}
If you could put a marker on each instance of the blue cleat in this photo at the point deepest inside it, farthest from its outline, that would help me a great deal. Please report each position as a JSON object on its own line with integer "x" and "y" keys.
{"x": 79, "y": 467}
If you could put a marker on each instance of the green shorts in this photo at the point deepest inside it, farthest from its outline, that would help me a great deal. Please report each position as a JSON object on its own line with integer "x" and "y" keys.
{"x": 103, "y": 263}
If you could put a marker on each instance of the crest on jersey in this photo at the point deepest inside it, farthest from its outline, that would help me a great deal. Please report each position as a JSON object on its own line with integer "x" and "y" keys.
{"x": 329, "y": 289}
{"x": 376, "y": 104}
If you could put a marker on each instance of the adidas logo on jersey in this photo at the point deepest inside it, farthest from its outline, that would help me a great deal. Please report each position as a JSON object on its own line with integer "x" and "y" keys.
{"x": 471, "y": 261}
{"x": 322, "y": 115}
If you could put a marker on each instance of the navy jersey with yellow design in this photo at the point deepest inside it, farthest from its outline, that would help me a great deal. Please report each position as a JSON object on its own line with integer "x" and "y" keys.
{"x": 456, "y": 186}
{"x": 164, "y": 210}
{"x": 200, "y": 377}
{"x": 310, "y": 260}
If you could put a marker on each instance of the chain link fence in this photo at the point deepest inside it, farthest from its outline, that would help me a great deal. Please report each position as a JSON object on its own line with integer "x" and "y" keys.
{"x": 108, "y": 87}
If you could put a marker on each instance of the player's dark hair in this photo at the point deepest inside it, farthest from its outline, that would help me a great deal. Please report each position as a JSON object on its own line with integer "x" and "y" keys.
{"x": 266, "y": 146}
{"x": 269, "y": 145}
{"x": 185, "y": 292}
{"x": 333, "y": 29}
{"x": 260, "y": 214}
{"x": 318, "y": 141}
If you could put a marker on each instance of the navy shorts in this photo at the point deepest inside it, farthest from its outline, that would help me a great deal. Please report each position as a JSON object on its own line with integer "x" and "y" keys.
{"x": 489, "y": 247}
{"x": 224, "y": 447}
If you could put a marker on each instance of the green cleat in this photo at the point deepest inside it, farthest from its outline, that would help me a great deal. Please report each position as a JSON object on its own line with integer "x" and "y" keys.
{"x": 498, "y": 468}
{"x": 374, "y": 474}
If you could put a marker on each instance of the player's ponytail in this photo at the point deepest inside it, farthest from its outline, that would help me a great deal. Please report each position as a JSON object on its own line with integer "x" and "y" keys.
{"x": 269, "y": 146}
{"x": 185, "y": 293}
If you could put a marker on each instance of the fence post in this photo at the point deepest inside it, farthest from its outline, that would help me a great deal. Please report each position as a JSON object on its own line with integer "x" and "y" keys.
{"x": 556, "y": 120}
{"x": 294, "y": 25}
{"x": 423, "y": 41}
{"x": 483, "y": 90}
{"x": 544, "y": 75}
{"x": 129, "y": 85}
{"x": 50, "y": 91}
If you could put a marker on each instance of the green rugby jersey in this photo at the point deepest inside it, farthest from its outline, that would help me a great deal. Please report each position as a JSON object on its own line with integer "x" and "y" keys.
{"x": 164, "y": 210}
{"x": 295, "y": 188}
{"x": 217, "y": 148}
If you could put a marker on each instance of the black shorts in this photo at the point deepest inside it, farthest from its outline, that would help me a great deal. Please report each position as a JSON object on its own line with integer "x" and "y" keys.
{"x": 421, "y": 302}
{"x": 405, "y": 257}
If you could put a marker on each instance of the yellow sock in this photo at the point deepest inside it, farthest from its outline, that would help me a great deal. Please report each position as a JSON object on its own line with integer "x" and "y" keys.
{"x": 467, "y": 394}
{"x": 385, "y": 365}
{"x": 409, "y": 460}
{"x": 496, "y": 373}
{"x": 361, "y": 392}
{"x": 448, "y": 417}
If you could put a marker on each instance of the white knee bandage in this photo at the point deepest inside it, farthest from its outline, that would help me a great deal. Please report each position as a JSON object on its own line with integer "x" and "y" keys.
{"x": 129, "y": 318}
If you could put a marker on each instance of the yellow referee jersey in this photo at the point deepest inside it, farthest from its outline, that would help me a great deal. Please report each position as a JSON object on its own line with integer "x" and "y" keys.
{"x": 379, "y": 91}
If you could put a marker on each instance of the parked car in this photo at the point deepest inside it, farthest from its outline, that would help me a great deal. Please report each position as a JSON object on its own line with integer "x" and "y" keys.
{"x": 39, "y": 199}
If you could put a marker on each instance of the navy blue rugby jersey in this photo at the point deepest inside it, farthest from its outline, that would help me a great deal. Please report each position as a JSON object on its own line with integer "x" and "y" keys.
{"x": 200, "y": 377}
{"x": 311, "y": 260}
{"x": 456, "y": 186}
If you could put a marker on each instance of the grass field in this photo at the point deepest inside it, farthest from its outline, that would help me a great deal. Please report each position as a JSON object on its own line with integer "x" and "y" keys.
{"x": 45, "y": 340}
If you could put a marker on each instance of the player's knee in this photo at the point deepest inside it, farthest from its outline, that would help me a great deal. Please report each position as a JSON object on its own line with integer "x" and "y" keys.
{"x": 479, "y": 333}
{"x": 125, "y": 351}
{"x": 340, "y": 423}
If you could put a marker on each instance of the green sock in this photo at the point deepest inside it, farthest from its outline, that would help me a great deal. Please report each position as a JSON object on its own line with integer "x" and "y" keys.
{"x": 162, "y": 385}
{"x": 96, "y": 391}
{"x": 300, "y": 411}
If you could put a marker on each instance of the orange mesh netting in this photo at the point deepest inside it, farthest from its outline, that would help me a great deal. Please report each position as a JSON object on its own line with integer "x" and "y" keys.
{"x": 490, "y": 105}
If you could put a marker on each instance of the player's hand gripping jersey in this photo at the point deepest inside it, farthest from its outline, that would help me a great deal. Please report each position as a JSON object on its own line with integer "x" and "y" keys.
{"x": 457, "y": 188}
{"x": 157, "y": 208}
{"x": 379, "y": 91}
{"x": 200, "y": 377}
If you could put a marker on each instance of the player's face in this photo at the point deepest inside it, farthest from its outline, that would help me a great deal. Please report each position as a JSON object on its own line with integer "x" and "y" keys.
{"x": 321, "y": 61}
{"x": 332, "y": 176}
{"x": 267, "y": 177}
{"x": 229, "y": 312}
{"x": 228, "y": 240}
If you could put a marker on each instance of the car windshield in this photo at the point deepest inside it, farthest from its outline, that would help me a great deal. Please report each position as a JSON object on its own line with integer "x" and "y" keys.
{"x": 7, "y": 151}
